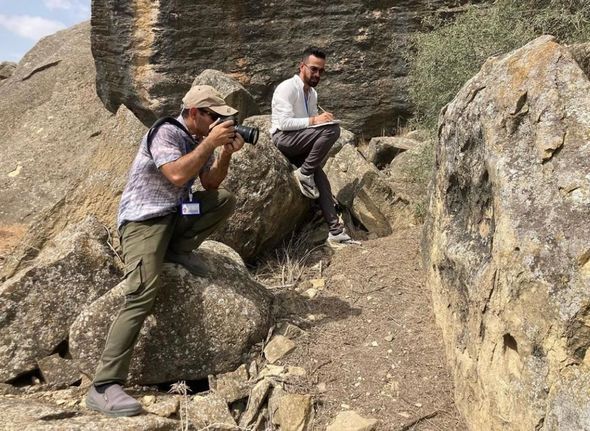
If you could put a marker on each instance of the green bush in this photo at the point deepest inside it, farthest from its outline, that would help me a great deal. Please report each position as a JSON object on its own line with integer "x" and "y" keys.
{"x": 453, "y": 51}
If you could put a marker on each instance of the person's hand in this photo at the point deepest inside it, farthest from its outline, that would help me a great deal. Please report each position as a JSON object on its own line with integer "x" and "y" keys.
{"x": 221, "y": 134}
{"x": 324, "y": 117}
{"x": 236, "y": 145}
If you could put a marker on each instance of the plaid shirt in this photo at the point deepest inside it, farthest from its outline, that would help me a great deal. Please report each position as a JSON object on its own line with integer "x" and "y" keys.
{"x": 148, "y": 192}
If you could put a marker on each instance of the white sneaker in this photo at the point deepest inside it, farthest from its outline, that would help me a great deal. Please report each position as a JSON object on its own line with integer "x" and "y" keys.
{"x": 342, "y": 237}
{"x": 307, "y": 185}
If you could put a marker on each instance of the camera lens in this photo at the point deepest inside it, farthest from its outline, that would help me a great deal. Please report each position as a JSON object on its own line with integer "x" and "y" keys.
{"x": 250, "y": 134}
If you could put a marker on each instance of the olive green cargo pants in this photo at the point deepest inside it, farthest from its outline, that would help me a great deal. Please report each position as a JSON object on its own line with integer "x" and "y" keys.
{"x": 144, "y": 245}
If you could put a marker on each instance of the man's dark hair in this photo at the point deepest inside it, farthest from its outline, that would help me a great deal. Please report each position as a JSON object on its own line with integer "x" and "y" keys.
{"x": 316, "y": 52}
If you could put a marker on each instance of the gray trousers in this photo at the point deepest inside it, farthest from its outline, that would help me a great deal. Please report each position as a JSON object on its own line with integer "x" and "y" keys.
{"x": 307, "y": 149}
{"x": 144, "y": 245}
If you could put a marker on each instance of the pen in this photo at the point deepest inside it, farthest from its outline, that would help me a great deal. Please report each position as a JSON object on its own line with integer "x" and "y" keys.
{"x": 321, "y": 109}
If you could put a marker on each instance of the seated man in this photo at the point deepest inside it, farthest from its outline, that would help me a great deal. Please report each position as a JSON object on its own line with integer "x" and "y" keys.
{"x": 305, "y": 137}
{"x": 161, "y": 219}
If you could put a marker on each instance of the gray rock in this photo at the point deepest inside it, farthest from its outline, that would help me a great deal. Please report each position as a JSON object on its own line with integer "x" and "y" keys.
{"x": 270, "y": 205}
{"x": 409, "y": 172}
{"x": 210, "y": 411}
{"x": 352, "y": 421}
{"x": 293, "y": 412}
{"x": 39, "y": 303}
{"x": 278, "y": 347}
{"x": 34, "y": 415}
{"x": 232, "y": 92}
{"x": 506, "y": 246}
{"x": 382, "y": 150}
{"x": 199, "y": 326}
{"x": 59, "y": 372}
{"x": 361, "y": 187}
{"x": 232, "y": 386}
{"x": 149, "y": 67}
{"x": 64, "y": 156}
{"x": 7, "y": 69}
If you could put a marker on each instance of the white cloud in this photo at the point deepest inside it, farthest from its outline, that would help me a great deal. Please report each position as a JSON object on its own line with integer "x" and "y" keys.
{"x": 31, "y": 27}
{"x": 58, "y": 4}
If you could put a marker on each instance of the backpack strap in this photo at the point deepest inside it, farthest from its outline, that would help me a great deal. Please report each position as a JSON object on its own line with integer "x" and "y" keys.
{"x": 157, "y": 125}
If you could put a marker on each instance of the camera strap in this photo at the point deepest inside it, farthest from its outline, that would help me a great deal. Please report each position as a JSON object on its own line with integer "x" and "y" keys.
{"x": 157, "y": 125}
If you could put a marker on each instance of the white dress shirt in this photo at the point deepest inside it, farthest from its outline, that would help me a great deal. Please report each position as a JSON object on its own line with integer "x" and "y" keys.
{"x": 290, "y": 109}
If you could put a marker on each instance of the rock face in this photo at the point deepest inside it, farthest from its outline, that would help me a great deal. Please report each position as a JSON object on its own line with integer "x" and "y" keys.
{"x": 507, "y": 246}
{"x": 38, "y": 305}
{"x": 147, "y": 53}
{"x": 199, "y": 326}
{"x": 63, "y": 153}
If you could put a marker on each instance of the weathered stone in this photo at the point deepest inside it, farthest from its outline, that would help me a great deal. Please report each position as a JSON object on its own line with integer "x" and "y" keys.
{"x": 29, "y": 414}
{"x": 49, "y": 115}
{"x": 165, "y": 408}
{"x": 294, "y": 412}
{"x": 346, "y": 138}
{"x": 59, "y": 372}
{"x": 7, "y": 69}
{"x": 199, "y": 326}
{"x": 38, "y": 305}
{"x": 269, "y": 205}
{"x": 257, "y": 397}
{"x": 408, "y": 175}
{"x": 289, "y": 330}
{"x": 146, "y": 53}
{"x": 352, "y": 421}
{"x": 278, "y": 347}
{"x": 383, "y": 149}
{"x": 231, "y": 386}
{"x": 359, "y": 186}
{"x": 507, "y": 242}
{"x": 210, "y": 410}
{"x": 232, "y": 92}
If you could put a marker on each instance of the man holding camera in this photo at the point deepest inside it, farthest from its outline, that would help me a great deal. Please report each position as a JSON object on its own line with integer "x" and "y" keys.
{"x": 305, "y": 137}
{"x": 161, "y": 219}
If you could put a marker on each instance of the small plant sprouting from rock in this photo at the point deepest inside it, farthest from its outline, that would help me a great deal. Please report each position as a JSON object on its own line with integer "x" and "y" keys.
{"x": 181, "y": 388}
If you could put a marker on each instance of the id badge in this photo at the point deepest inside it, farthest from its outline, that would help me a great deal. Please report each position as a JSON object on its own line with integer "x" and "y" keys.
{"x": 190, "y": 208}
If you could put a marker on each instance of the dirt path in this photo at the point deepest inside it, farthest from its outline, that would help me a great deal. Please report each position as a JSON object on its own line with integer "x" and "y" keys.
{"x": 371, "y": 343}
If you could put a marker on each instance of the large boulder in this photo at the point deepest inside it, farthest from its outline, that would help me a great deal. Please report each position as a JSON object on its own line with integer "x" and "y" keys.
{"x": 507, "y": 245}
{"x": 199, "y": 326}
{"x": 38, "y": 304}
{"x": 270, "y": 205}
{"x": 234, "y": 94}
{"x": 147, "y": 54}
{"x": 359, "y": 186}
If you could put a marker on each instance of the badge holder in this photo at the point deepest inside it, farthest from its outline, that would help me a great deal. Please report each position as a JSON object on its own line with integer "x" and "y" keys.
{"x": 190, "y": 207}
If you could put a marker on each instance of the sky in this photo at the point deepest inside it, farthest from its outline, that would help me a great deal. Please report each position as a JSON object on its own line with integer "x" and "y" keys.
{"x": 24, "y": 22}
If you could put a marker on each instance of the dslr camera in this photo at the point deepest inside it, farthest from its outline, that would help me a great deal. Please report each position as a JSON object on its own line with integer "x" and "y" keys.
{"x": 250, "y": 134}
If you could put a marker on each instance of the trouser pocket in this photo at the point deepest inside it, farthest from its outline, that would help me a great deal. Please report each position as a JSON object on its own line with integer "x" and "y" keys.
{"x": 134, "y": 279}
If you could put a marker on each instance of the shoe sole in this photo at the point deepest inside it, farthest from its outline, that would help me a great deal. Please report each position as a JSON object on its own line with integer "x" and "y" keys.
{"x": 116, "y": 413}
{"x": 304, "y": 191}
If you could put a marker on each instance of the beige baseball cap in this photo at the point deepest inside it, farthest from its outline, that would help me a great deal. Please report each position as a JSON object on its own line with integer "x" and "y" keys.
{"x": 205, "y": 96}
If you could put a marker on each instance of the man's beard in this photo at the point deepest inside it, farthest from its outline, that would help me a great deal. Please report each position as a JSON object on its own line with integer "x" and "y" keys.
{"x": 312, "y": 82}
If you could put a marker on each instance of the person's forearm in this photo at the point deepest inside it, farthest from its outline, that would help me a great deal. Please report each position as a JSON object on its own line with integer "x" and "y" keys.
{"x": 213, "y": 178}
{"x": 187, "y": 167}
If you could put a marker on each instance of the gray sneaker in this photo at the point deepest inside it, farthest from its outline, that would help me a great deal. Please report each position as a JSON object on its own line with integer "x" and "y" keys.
{"x": 114, "y": 402}
{"x": 341, "y": 239}
{"x": 190, "y": 261}
{"x": 307, "y": 185}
